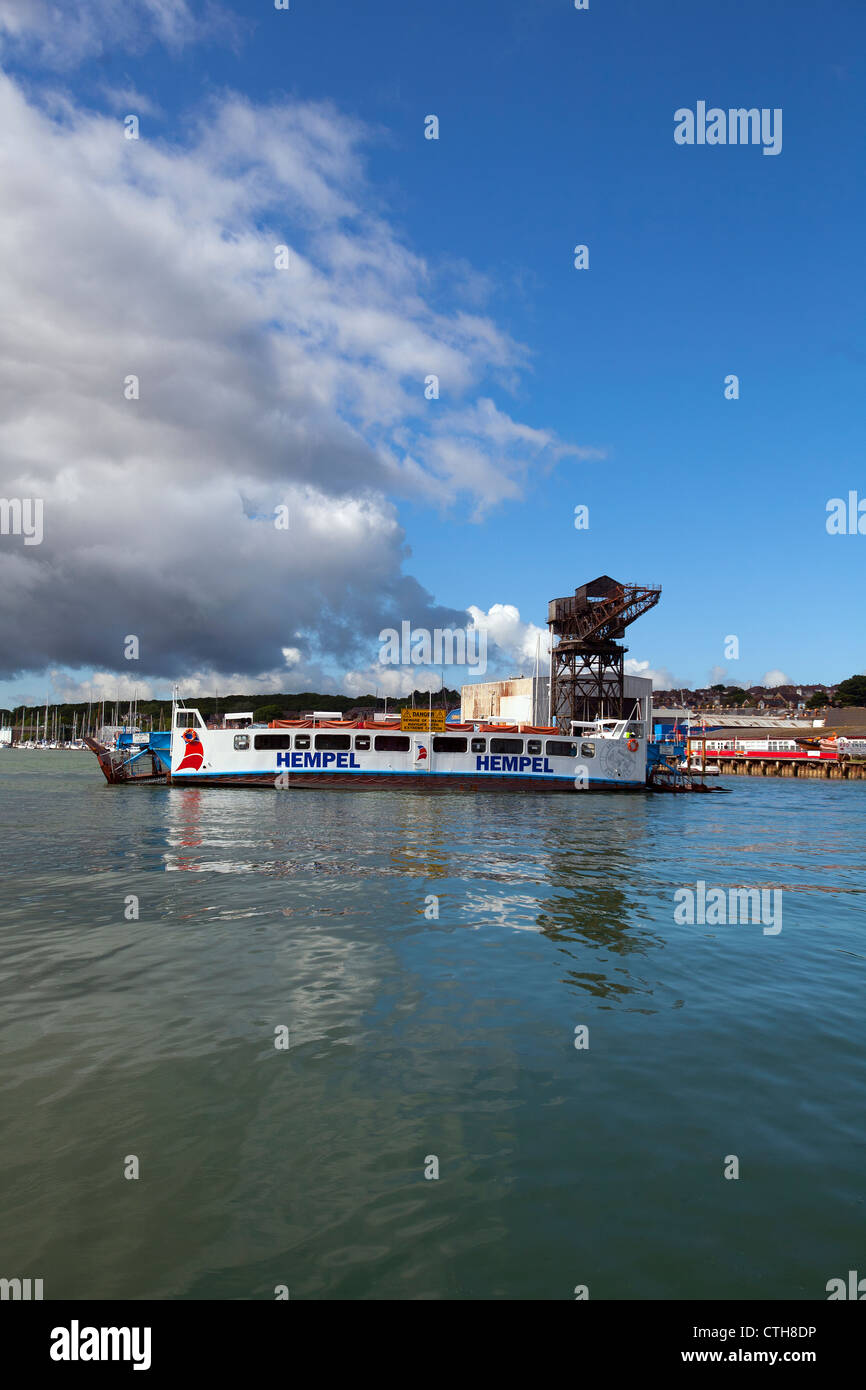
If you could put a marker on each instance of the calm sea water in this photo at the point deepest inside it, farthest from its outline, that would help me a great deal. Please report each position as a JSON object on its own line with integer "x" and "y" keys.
{"x": 414, "y": 1037}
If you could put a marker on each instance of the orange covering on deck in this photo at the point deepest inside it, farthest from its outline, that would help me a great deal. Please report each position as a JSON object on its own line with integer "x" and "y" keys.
{"x": 391, "y": 724}
{"x": 517, "y": 728}
{"x": 316, "y": 724}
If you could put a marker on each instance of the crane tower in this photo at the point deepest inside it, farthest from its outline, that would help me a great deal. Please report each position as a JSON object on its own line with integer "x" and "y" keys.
{"x": 586, "y": 659}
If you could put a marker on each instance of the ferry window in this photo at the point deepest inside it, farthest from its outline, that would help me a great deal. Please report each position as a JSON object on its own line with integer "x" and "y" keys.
{"x": 362, "y": 742}
{"x": 558, "y": 748}
{"x": 478, "y": 745}
{"x": 186, "y": 718}
{"x": 273, "y": 741}
{"x": 587, "y": 750}
{"x": 337, "y": 743}
{"x": 302, "y": 741}
{"x": 392, "y": 743}
{"x": 449, "y": 745}
{"x": 506, "y": 745}
{"x": 534, "y": 747}
{"x": 242, "y": 741}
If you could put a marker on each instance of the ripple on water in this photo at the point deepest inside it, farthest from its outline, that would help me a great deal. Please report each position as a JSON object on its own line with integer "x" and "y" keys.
{"x": 428, "y": 962}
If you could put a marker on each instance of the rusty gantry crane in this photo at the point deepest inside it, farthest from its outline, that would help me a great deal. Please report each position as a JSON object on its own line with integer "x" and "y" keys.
{"x": 586, "y": 665}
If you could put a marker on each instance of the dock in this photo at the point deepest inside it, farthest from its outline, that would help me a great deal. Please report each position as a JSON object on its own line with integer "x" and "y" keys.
{"x": 836, "y": 769}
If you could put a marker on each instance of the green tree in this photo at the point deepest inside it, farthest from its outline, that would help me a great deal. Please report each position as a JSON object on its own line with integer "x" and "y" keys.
{"x": 268, "y": 712}
{"x": 851, "y": 692}
{"x": 818, "y": 700}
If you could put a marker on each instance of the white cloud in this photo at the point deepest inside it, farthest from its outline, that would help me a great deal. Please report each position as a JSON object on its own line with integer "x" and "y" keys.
{"x": 60, "y": 35}
{"x": 510, "y": 649}
{"x": 390, "y": 681}
{"x": 129, "y": 101}
{"x": 258, "y": 387}
{"x": 112, "y": 686}
{"x": 103, "y": 685}
{"x": 775, "y": 677}
{"x": 482, "y": 451}
{"x": 485, "y": 420}
{"x": 659, "y": 675}
{"x": 512, "y": 639}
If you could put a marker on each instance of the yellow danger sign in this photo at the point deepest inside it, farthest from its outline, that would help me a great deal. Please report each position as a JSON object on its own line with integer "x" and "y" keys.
{"x": 422, "y": 721}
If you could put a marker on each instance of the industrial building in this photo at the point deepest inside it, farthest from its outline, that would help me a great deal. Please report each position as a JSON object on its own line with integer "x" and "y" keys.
{"x": 526, "y": 700}
{"x": 519, "y": 700}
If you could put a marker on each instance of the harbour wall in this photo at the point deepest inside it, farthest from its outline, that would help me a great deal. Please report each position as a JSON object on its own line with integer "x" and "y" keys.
{"x": 782, "y": 767}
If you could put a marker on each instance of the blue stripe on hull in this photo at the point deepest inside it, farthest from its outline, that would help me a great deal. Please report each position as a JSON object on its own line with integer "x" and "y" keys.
{"x": 450, "y": 781}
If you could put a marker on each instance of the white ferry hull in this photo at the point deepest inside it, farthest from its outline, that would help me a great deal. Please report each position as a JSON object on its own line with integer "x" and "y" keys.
{"x": 315, "y": 758}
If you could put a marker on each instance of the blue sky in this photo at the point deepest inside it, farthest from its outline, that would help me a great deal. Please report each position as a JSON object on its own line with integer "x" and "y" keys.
{"x": 556, "y": 128}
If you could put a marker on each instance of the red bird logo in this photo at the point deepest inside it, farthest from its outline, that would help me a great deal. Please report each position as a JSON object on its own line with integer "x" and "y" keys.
{"x": 194, "y": 755}
{"x": 421, "y": 754}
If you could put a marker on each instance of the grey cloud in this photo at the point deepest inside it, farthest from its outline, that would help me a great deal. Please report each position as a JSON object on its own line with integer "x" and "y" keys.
{"x": 258, "y": 388}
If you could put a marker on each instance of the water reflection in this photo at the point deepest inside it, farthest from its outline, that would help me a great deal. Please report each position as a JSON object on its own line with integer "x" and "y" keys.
{"x": 412, "y": 1036}
{"x": 568, "y": 869}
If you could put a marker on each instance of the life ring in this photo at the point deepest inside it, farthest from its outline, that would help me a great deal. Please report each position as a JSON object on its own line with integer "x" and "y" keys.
{"x": 633, "y": 745}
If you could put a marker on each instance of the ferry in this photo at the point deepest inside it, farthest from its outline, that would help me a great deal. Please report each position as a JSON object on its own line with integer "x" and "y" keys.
{"x": 603, "y": 754}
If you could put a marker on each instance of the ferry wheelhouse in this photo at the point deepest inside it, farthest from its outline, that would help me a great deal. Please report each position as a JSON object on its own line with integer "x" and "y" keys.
{"x": 326, "y": 752}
